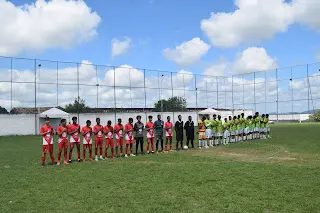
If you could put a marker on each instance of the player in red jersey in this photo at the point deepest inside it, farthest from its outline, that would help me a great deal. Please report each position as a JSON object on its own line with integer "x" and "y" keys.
{"x": 86, "y": 132}
{"x": 108, "y": 131}
{"x": 128, "y": 129}
{"x": 74, "y": 131}
{"x": 98, "y": 132}
{"x": 46, "y": 131}
{"x": 150, "y": 134}
{"x": 118, "y": 130}
{"x": 62, "y": 132}
{"x": 168, "y": 127}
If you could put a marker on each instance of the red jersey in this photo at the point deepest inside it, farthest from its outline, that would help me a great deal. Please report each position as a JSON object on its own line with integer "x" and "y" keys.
{"x": 87, "y": 133}
{"x": 47, "y": 138}
{"x": 150, "y": 133}
{"x": 75, "y": 136}
{"x": 120, "y": 128}
{"x": 64, "y": 136}
{"x": 109, "y": 131}
{"x": 98, "y": 129}
{"x": 168, "y": 127}
{"x": 129, "y": 135}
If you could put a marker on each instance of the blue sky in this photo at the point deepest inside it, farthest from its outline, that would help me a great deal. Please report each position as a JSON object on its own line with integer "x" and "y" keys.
{"x": 216, "y": 38}
{"x": 154, "y": 25}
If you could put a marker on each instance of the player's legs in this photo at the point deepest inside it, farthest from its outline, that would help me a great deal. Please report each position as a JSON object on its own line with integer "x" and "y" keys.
{"x": 60, "y": 147}
{"x": 148, "y": 145}
{"x": 161, "y": 141}
{"x": 96, "y": 149}
{"x": 70, "y": 151}
{"x": 152, "y": 145}
{"x": 127, "y": 146}
{"x": 157, "y": 144}
{"x": 78, "y": 150}
{"x": 137, "y": 145}
{"x": 170, "y": 140}
{"x": 84, "y": 152}
{"x": 65, "y": 154}
{"x": 90, "y": 151}
{"x": 166, "y": 145}
{"x": 131, "y": 145}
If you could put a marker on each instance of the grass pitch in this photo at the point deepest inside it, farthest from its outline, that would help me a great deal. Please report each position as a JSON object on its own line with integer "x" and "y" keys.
{"x": 277, "y": 175}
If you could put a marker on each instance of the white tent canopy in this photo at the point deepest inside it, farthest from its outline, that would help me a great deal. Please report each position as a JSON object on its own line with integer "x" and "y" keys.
{"x": 54, "y": 113}
{"x": 209, "y": 111}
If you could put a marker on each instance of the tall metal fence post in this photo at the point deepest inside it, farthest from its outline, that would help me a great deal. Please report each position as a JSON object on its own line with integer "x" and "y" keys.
{"x": 11, "y": 83}
{"x": 114, "y": 95}
{"x": 277, "y": 95}
{"x": 232, "y": 97}
{"x": 265, "y": 92}
{"x": 78, "y": 84}
{"x": 57, "y": 83}
{"x": 217, "y": 92}
{"x": 35, "y": 96}
{"x": 254, "y": 91}
{"x": 196, "y": 89}
{"x": 145, "y": 93}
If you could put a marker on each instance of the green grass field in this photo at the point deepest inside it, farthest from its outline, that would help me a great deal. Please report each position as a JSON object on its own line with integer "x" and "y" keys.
{"x": 277, "y": 175}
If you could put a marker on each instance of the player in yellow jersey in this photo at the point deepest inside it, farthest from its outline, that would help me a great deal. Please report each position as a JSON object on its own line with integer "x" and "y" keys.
{"x": 202, "y": 132}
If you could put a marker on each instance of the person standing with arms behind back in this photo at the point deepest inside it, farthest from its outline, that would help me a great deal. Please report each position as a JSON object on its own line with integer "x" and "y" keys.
{"x": 189, "y": 127}
{"x": 158, "y": 124}
{"x": 138, "y": 129}
{"x": 179, "y": 132}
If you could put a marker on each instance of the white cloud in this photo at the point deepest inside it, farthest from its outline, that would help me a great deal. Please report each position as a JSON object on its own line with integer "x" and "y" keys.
{"x": 120, "y": 46}
{"x": 252, "y": 21}
{"x": 219, "y": 68}
{"x": 44, "y": 25}
{"x": 307, "y": 12}
{"x": 253, "y": 59}
{"x": 258, "y": 20}
{"x": 187, "y": 53}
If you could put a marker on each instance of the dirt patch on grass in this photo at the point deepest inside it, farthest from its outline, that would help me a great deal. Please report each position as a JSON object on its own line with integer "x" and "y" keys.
{"x": 282, "y": 158}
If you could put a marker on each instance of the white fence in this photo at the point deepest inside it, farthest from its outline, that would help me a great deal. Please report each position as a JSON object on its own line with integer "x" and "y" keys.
{"x": 24, "y": 124}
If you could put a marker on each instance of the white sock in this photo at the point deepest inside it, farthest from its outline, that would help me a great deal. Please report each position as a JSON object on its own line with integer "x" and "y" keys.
{"x": 211, "y": 142}
{"x": 200, "y": 143}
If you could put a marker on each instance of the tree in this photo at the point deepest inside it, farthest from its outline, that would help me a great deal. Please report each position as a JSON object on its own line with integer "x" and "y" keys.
{"x": 174, "y": 104}
{"x": 315, "y": 117}
{"x": 77, "y": 104}
{"x": 3, "y": 110}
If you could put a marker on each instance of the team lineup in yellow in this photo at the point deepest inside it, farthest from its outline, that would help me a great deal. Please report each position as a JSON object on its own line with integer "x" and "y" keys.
{"x": 214, "y": 132}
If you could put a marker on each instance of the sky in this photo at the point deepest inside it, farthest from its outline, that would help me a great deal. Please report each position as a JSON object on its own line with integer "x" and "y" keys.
{"x": 212, "y": 38}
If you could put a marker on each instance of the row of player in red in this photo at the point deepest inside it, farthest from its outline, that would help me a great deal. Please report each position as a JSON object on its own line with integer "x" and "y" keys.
{"x": 73, "y": 130}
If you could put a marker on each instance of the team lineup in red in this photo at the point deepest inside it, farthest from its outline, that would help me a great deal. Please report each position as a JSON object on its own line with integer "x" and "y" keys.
{"x": 69, "y": 136}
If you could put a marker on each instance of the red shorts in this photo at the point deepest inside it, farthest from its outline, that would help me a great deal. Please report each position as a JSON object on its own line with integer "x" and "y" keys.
{"x": 128, "y": 142}
{"x": 169, "y": 137}
{"x": 150, "y": 140}
{"x": 72, "y": 144}
{"x": 119, "y": 142}
{"x": 109, "y": 142}
{"x": 63, "y": 144}
{"x": 99, "y": 142}
{"x": 85, "y": 146}
{"x": 47, "y": 148}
